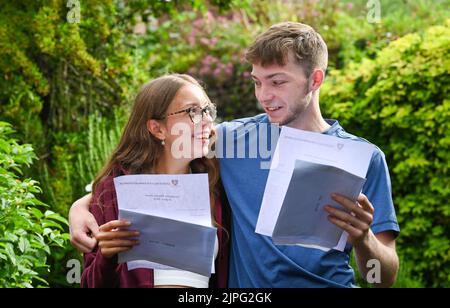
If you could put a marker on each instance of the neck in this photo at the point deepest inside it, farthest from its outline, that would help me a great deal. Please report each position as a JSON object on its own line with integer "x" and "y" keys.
{"x": 169, "y": 165}
{"x": 311, "y": 118}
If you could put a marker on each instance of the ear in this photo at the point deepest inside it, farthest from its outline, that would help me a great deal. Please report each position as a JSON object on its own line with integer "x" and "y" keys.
{"x": 317, "y": 78}
{"x": 156, "y": 129}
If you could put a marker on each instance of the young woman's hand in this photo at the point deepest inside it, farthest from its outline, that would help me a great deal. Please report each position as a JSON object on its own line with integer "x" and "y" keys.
{"x": 114, "y": 237}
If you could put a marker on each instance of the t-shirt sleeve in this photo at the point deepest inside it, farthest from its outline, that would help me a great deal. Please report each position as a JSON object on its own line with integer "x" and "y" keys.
{"x": 378, "y": 190}
{"x": 220, "y": 140}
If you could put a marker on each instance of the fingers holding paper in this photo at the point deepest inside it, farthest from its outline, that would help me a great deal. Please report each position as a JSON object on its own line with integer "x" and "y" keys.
{"x": 357, "y": 218}
{"x": 114, "y": 237}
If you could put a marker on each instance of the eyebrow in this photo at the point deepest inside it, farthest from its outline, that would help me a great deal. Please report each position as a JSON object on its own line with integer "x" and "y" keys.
{"x": 271, "y": 76}
{"x": 195, "y": 105}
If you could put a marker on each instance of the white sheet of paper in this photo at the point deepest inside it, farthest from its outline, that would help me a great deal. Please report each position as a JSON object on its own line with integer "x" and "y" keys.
{"x": 183, "y": 200}
{"x": 183, "y": 197}
{"x": 293, "y": 144}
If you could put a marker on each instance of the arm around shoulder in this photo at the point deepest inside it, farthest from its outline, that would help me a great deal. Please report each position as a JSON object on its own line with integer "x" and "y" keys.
{"x": 83, "y": 225}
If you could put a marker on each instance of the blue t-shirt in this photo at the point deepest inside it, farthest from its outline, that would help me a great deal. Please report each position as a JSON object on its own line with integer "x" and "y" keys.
{"x": 243, "y": 148}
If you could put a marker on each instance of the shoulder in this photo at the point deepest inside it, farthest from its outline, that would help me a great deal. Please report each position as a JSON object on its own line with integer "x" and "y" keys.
{"x": 107, "y": 182}
{"x": 104, "y": 185}
{"x": 243, "y": 122}
{"x": 338, "y": 131}
{"x": 104, "y": 195}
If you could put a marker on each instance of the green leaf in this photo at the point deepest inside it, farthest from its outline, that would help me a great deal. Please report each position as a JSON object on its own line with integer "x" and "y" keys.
{"x": 37, "y": 213}
{"x": 57, "y": 217}
{"x": 24, "y": 245}
{"x": 9, "y": 250}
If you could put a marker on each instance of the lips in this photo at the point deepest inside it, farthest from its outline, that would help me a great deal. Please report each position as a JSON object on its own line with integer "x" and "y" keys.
{"x": 203, "y": 139}
{"x": 203, "y": 136}
{"x": 272, "y": 109}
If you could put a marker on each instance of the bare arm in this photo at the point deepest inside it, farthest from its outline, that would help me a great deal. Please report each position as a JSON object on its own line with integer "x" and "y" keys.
{"x": 83, "y": 226}
{"x": 379, "y": 247}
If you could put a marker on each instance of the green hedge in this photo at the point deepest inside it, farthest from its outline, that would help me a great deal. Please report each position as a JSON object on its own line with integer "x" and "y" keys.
{"x": 400, "y": 101}
{"x": 27, "y": 233}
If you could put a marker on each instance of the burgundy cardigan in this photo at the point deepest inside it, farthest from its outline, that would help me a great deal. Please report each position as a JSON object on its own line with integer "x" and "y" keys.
{"x": 101, "y": 272}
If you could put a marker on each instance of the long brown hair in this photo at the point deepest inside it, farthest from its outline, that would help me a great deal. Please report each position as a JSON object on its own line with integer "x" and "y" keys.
{"x": 138, "y": 151}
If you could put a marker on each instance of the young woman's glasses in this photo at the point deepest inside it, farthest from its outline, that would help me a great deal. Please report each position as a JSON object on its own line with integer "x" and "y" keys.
{"x": 196, "y": 113}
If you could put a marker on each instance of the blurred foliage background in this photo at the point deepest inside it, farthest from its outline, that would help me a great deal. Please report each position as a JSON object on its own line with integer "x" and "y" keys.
{"x": 66, "y": 88}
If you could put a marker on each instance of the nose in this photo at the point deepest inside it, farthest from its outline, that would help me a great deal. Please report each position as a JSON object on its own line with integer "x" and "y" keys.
{"x": 207, "y": 118}
{"x": 264, "y": 94}
{"x": 205, "y": 123}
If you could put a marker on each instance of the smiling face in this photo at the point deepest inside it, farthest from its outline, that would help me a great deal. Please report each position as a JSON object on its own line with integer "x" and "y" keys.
{"x": 289, "y": 64}
{"x": 282, "y": 90}
{"x": 182, "y": 134}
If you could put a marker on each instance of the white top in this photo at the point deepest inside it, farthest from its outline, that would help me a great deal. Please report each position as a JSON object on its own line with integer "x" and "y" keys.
{"x": 182, "y": 278}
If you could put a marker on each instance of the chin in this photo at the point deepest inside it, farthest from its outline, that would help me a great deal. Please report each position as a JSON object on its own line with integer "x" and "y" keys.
{"x": 284, "y": 120}
{"x": 277, "y": 120}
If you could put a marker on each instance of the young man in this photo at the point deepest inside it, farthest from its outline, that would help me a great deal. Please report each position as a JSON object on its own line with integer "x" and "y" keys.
{"x": 289, "y": 63}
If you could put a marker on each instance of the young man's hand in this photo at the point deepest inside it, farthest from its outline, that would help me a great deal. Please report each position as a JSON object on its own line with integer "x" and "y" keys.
{"x": 357, "y": 222}
{"x": 83, "y": 226}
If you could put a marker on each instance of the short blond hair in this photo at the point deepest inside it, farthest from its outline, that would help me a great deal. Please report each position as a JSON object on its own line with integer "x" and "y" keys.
{"x": 280, "y": 40}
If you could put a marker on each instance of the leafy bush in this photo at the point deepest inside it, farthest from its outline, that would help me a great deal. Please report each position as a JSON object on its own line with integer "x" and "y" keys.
{"x": 27, "y": 233}
{"x": 400, "y": 101}
{"x": 81, "y": 158}
{"x": 351, "y": 37}
{"x": 103, "y": 136}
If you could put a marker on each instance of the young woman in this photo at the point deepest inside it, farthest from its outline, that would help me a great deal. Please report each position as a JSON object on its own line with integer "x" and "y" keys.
{"x": 145, "y": 147}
